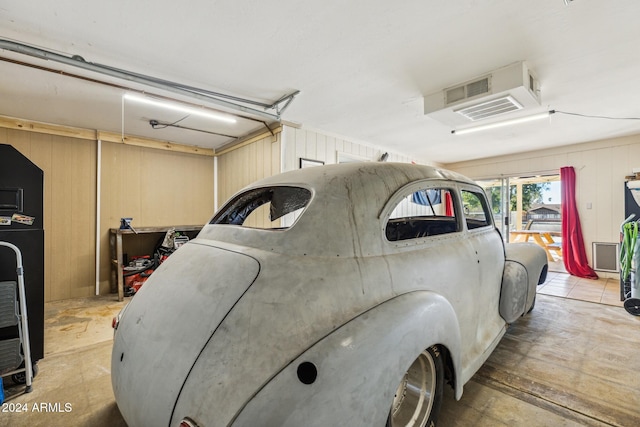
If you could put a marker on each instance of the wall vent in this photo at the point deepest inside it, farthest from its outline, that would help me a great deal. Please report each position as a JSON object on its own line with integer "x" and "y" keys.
{"x": 605, "y": 257}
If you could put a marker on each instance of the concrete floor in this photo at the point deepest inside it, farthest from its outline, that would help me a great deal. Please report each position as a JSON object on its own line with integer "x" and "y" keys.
{"x": 76, "y": 369}
{"x": 570, "y": 363}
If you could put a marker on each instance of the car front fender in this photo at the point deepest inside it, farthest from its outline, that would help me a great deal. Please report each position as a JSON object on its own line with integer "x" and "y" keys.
{"x": 350, "y": 376}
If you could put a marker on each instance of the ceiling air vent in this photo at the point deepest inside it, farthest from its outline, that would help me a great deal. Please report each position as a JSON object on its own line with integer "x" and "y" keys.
{"x": 508, "y": 89}
{"x": 492, "y": 108}
{"x": 466, "y": 91}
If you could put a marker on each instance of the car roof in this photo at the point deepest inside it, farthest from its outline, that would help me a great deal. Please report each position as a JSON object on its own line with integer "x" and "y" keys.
{"x": 387, "y": 175}
{"x": 343, "y": 216}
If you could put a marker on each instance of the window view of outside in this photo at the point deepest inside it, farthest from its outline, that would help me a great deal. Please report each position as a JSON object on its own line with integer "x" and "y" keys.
{"x": 475, "y": 209}
{"x": 528, "y": 209}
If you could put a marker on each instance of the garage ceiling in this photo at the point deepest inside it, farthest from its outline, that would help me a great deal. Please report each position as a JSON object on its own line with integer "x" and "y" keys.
{"x": 362, "y": 67}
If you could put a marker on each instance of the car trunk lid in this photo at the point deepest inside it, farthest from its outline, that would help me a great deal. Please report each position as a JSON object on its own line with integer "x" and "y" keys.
{"x": 169, "y": 321}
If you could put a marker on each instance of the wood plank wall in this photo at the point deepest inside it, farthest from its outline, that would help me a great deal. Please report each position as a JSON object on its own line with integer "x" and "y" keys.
{"x": 314, "y": 145}
{"x": 268, "y": 156}
{"x": 240, "y": 167}
{"x": 153, "y": 186}
{"x": 69, "y": 166}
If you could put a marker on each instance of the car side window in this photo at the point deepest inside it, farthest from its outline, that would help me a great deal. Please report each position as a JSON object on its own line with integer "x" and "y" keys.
{"x": 423, "y": 213}
{"x": 475, "y": 208}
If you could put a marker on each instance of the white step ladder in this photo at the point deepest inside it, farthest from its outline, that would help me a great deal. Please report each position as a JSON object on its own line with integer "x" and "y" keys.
{"x": 13, "y": 312}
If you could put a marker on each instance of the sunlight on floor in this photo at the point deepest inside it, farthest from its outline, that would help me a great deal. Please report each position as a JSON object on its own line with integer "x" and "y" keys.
{"x": 603, "y": 290}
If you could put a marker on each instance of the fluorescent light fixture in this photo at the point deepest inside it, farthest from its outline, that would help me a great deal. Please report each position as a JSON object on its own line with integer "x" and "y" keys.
{"x": 179, "y": 108}
{"x": 502, "y": 123}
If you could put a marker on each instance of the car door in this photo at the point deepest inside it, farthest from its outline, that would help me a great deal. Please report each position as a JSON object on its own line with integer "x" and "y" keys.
{"x": 458, "y": 255}
{"x": 489, "y": 254}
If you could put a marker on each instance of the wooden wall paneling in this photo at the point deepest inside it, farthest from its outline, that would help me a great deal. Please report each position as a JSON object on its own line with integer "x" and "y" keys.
{"x": 39, "y": 152}
{"x": 604, "y": 172}
{"x": 69, "y": 209}
{"x": 321, "y": 148}
{"x": 339, "y": 148}
{"x": 631, "y": 159}
{"x": 260, "y": 154}
{"x": 163, "y": 187}
{"x": 330, "y": 150}
{"x": 73, "y": 199}
{"x": 347, "y": 147}
{"x": 275, "y": 166}
{"x": 129, "y": 188}
{"x": 311, "y": 145}
{"x": 300, "y": 147}
{"x": 120, "y": 192}
{"x": 251, "y": 162}
{"x": 155, "y": 188}
{"x": 245, "y": 165}
{"x": 287, "y": 137}
{"x": 299, "y": 142}
{"x": 586, "y": 188}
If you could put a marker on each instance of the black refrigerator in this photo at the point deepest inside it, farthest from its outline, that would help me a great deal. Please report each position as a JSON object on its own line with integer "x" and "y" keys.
{"x": 22, "y": 224}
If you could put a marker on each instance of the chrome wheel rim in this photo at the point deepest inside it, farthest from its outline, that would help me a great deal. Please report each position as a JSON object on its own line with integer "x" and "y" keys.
{"x": 413, "y": 401}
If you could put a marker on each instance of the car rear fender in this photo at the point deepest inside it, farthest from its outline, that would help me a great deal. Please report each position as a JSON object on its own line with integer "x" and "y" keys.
{"x": 525, "y": 267}
{"x": 356, "y": 369}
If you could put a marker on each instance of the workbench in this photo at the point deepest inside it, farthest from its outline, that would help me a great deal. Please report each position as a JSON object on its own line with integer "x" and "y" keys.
{"x": 116, "y": 245}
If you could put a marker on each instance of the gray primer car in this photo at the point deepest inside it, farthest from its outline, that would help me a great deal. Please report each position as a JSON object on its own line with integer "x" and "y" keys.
{"x": 335, "y": 295}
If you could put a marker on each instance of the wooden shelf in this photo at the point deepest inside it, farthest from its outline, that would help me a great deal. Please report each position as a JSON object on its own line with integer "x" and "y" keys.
{"x": 116, "y": 247}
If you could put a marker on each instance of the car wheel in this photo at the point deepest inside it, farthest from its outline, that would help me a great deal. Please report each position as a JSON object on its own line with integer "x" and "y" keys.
{"x": 419, "y": 394}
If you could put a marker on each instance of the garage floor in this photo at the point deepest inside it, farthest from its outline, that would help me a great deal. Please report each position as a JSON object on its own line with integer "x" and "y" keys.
{"x": 570, "y": 363}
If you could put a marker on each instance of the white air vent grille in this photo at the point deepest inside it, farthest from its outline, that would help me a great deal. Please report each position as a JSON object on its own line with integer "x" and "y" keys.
{"x": 499, "y": 92}
{"x": 605, "y": 257}
{"x": 492, "y": 108}
{"x": 469, "y": 90}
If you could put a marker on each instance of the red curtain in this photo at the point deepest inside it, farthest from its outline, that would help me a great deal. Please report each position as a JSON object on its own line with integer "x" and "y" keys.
{"x": 573, "y": 252}
{"x": 448, "y": 204}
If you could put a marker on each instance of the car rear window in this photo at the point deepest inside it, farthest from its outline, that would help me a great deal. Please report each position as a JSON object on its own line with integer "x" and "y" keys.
{"x": 268, "y": 207}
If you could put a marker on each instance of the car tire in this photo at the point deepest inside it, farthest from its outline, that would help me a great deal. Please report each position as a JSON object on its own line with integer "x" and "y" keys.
{"x": 419, "y": 409}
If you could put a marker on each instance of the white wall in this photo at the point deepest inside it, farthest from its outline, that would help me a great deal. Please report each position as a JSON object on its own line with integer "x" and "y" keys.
{"x": 601, "y": 167}
{"x": 315, "y": 145}
{"x": 310, "y": 144}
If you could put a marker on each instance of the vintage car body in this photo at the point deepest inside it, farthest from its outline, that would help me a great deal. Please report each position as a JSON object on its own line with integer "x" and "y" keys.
{"x": 337, "y": 316}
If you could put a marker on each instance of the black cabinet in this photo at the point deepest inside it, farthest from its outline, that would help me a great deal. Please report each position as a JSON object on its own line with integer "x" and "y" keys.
{"x": 22, "y": 223}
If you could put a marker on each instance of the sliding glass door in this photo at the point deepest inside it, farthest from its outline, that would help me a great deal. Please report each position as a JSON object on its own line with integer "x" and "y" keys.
{"x": 524, "y": 203}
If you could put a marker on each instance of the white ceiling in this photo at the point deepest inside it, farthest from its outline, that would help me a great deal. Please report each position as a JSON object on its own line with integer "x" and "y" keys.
{"x": 362, "y": 67}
